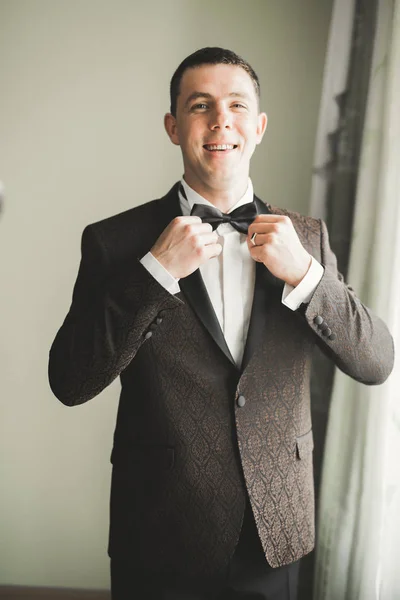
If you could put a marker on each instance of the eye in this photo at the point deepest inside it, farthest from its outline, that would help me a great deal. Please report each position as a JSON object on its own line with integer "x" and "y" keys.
{"x": 200, "y": 106}
{"x": 238, "y": 105}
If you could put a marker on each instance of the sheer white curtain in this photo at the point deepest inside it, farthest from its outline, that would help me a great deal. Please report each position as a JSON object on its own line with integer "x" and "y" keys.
{"x": 334, "y": 84}
{"x": 358, "y": 544}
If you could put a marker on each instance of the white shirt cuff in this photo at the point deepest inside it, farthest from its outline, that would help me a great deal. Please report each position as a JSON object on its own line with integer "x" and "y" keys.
{"x": 292, "y": 297}
{"x": 161, "y": 274}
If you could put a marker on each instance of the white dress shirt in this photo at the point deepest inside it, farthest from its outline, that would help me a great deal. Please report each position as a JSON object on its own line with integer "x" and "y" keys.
{"x": 229, "y": 278}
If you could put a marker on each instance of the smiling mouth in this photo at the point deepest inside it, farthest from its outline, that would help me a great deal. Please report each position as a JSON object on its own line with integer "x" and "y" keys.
{"x": 219, "y": 147}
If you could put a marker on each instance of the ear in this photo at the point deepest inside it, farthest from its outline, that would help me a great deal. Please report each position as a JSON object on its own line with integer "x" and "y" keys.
{"x": 262, "y": 121}
{"x": 171, "y": 128}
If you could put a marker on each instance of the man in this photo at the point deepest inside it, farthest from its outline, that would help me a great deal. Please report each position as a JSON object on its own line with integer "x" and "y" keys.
{"x": 208, "y": 304}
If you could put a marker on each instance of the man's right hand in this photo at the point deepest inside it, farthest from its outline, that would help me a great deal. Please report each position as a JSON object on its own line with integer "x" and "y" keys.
{"x": 185, "y": 245}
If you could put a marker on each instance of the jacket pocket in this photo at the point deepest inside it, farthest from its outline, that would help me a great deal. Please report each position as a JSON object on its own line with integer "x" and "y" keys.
{"x": 143, "y": 455}
{"x": 304, "y": 445}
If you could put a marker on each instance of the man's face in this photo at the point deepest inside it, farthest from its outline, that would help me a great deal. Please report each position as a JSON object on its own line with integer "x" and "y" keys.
{"x": 217, "y": 125}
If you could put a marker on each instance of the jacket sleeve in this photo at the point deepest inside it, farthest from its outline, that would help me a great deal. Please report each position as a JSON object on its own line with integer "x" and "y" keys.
{"x": 106, "y": 325}
{"x": 347, "y": 331}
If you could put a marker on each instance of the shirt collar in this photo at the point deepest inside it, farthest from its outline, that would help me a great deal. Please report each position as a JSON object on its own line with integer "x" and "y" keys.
{"x": 195, "y": 198}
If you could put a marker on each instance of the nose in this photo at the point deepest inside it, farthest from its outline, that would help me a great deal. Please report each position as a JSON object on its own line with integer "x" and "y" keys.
{"x": 220, "y": 119}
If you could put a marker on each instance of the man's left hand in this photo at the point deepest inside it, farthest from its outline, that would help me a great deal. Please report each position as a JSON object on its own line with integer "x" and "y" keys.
{"x": 279, "y": 248}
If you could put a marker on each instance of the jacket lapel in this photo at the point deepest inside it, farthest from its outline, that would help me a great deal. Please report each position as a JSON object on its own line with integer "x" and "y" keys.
{"x": 193, "y": 289}
{"x": 195, "y": 292}
{"x": 266, "y": 289}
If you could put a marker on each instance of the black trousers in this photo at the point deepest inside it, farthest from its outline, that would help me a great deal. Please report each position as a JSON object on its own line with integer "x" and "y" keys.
{"x": 248, "y": 577}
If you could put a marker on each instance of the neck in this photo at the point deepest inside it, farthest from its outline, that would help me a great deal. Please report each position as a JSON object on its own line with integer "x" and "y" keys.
{"x": 223, "y": 197}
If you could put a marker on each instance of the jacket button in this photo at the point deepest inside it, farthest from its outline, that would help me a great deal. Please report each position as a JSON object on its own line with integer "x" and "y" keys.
{"x": 148, "y": 335}
{"x": 241, "y": 401}
{"x": 327, "y": 332}
{"x": 318, "y": 320}
{"x": 162, "y": 313}
{"x": 159, "y": 320}
{"x": 324, "y": 327}
{"x": 332, "y": 336}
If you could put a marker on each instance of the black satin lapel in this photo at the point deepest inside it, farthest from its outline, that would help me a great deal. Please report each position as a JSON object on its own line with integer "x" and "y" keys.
{"x": 261, "y": 207}
{"x": 258, "y": 314}
{"x": 169, "y": 206}
{"x": 195, "y": 292}
{"x": 267, "y": 289}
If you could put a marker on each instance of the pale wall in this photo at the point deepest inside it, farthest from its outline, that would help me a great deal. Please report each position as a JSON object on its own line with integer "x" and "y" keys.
{"x": 83, "y": 90}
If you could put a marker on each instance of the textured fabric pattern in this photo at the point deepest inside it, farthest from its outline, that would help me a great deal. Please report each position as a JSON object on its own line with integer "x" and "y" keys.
{"x": 186, "y": 447}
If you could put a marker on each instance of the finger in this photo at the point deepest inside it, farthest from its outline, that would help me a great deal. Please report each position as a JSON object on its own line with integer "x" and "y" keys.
{"x": 208, "y": 238}
{"x": 260, "y": 228}
{"x": 212, "y": 250}
{"x": 256, "y": 253}
{"x": 187, "y": 219}
{"x": 268, "y": 218}
{"x": 198, "y": 228}
{"x": 260, "y": 239}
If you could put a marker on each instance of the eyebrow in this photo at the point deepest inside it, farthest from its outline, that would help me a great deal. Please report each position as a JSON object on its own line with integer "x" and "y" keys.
{"x": 206, "y": 95}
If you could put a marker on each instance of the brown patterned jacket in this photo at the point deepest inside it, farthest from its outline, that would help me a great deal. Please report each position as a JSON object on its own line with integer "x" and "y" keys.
{"x": 185, "y": 451}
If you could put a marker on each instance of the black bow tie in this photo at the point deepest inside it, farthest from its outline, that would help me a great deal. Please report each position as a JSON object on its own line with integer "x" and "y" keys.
{"x": 240, "y": 218}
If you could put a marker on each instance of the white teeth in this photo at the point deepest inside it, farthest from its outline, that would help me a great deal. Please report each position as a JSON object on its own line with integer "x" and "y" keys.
{"x": 220, "y": 147}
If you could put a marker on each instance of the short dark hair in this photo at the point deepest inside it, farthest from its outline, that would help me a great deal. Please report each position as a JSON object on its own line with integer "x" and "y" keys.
{"x": 208, "y": 56}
